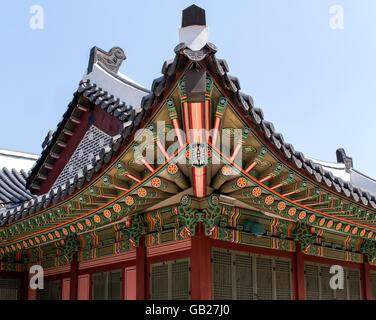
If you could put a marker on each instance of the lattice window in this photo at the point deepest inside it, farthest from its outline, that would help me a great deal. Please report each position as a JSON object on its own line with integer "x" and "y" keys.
{"x": 90, "y": 145}
{"x": 107, "y": 285}
{"x": 9, "y": 289}
{"x": 180, "y": 280}
{"x": 222, "y": 275}
{"x": 170, "y": 280}
{"x": 245, "y": 276}
{"x": 327, "y": 293}
{"x": 353, "y": 281}
{"x": 372, "y": 277}
{"x": 312, "y": 282}
{"x": 264, "y": 278}
{"x": 51, "y": 291}
{"x": 283, "y": 279}
{"x": 317, "y": 283}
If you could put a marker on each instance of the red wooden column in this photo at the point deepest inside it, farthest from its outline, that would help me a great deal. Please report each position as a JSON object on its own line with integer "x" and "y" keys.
{"x": 201, "y": 277}
{"x": 299, "y": 274}
{"x": 24, "y": 286}
{"x": 141, "y": 271}
{"x": 366, "y": 281}
{"x": 74, "y": 278}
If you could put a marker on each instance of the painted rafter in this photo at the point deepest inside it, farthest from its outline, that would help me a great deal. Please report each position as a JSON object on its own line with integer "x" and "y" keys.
{"x": 310, "y": 213}
{"x": 257, "y": 160}
{"x": 270, "y": 173}
{"x": 123, "y": 170}
{"x": 114, "y": 182}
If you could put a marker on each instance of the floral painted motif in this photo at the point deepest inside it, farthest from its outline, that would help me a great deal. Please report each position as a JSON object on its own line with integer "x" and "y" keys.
{"x": 141, "y": 193}
{"x": 107, "y": 213}
{"x": 302, "y": 215}
{"x": 292, "y": 211}
{"x": 88, "y": 222}
{"x": 322, "y": 221}
{"x": 226, "y": 170}
{"x": 128, "y": 200}
{"x": 329, "y": 224}
{"x": 241, "y": 182}
{"x": 97, "y": 219}
{"x": 355, "y": 230}
{"x": 281, "y": 206}
{"x": 312, "y": 218}
{"x": 256, "y": 192}
{"x": 370, "y": 234}
{"x": 338, "y": 226}
{"x": 117, "y": 207}
{"x": 65, "y": 231}
{"x": 50, "y": 236}
{"x": 80, "y": 226}
{"x": 73, "y": 229}
{"x": 362, "y": 233}
{"x": 156, "y": 182}
{"x": 43, "y": 237}
{"x": 172, "y": 169}
{"x": 347, "y": 228}
{"x": 269, "y": 200}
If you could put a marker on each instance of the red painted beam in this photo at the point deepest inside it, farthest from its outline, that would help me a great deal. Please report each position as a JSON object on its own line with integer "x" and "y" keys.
{"x": 197, "y": 126}
{"x": 73, "y": 278}
{"x": 201, "y": 277}
{"x": 24, "y": 288}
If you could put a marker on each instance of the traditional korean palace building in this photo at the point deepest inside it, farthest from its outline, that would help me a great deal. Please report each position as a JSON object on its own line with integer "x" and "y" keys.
{"x": 183, "y": 191}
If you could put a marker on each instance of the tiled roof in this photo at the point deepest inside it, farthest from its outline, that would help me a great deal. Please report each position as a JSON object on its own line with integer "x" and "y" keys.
{"x": 12, "y": 187}
{"x": 132, "y": 119}
{"x": 102, "y": 97}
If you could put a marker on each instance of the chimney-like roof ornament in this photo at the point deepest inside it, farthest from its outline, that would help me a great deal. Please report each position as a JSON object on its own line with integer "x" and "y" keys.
{"x": 194, "y": 32}
{"x": 343, "y": 158}
{"x": 193, "y": 15}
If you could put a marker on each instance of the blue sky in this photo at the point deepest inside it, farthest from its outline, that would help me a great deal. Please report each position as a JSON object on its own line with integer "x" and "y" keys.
{"x": 317, "y": 85}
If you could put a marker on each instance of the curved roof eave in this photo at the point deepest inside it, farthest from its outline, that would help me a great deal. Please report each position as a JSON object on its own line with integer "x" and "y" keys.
{"x": 170, "y": 70}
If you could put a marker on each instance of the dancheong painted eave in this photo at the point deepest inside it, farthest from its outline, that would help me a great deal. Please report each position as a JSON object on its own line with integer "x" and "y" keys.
{"x": 131, "y": 118}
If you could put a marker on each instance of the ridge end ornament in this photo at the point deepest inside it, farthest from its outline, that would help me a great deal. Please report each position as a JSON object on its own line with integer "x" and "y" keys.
{"x": 112, "y": 60}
